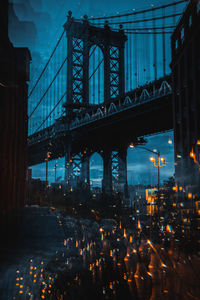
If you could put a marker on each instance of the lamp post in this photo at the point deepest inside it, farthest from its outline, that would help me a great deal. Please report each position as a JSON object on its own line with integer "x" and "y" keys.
{"x": 159, "y": 163}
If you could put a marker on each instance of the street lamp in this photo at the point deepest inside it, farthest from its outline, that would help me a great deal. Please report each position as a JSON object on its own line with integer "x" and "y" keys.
{"x": 160, "y": 162}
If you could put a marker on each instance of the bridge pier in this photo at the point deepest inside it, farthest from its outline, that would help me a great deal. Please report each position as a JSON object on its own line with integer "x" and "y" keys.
{"x": 107, "y": 172}
{"x": 85, "y": 169}
{"x": 122, "y": 171}
{"x": 68, "y": 165}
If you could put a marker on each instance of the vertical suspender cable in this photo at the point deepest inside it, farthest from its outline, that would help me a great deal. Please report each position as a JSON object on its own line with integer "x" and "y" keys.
{"x": 154, "y": 47}
{"x": 99, "y": 75}
{"x": 147, "y": 54}
{"x": 132, "y": 56}
{"x": 144, "y": 46}
{"x": 136, "y": 59}
{"x": 130, "y": 60}
{"x": 127, "y": 67}
{"x": 94, "y": 77}
{"x": 164, "y": 43}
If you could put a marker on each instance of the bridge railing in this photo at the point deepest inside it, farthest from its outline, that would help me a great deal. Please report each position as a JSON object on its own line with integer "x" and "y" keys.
{"x": 108, "y": 109}
{"x": 133, "y": 99}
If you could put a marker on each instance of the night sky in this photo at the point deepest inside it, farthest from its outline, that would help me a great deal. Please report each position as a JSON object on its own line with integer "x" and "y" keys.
{"x": 37, "y": 24}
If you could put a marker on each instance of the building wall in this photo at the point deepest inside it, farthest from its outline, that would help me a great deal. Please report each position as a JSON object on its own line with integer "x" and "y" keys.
{"x": 186, "y": 99}
{"x": 14, "y": 74}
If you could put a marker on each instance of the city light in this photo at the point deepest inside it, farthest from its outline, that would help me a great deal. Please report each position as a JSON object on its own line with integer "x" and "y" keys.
{"x": 170, "y": 141}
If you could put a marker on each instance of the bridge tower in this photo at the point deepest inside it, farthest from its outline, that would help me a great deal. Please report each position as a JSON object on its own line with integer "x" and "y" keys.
{"x": 81, "y": 36}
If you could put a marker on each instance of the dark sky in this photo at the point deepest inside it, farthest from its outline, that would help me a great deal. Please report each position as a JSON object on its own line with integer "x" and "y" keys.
{"x": 37, "y": 24}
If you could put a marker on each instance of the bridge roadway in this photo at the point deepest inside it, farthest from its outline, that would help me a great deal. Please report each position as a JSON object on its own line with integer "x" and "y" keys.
{"x": 120, "y": 121}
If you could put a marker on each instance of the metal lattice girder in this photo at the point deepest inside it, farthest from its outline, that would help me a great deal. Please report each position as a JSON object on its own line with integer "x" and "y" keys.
{"x": 76, "y": 165}
{"x": 114, "y": 72}
{"x": 85, "y": 168}
{"x": 77, "y": 70}
{"x": 115, "y": 165}
{"x": 81, "y": 36}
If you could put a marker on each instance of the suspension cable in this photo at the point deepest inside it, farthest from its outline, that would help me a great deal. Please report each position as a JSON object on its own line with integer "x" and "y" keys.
{"x": 139, "y": 12}
{"x": 48, "y": 87}
{"x": 47, "y": 63}
{"x": 96, "y": 69}
{"x": 51, "y": 111}
{"x": 146, "y": 20}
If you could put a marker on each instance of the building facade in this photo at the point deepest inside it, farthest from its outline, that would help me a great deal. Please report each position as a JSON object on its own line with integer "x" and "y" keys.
{"x": 186, "y": 97}
{"x": 14, "y": 75}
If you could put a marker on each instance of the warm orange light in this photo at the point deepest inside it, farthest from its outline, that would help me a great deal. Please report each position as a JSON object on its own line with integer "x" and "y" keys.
{"x": 162, "y": 159}
{"x": 198, "y": 142}
{"x": 192, "y": 155}
{"x": 152, "y": 158}
{"x": 175, "y": 188}
{"x": 168, "y": 228}
{"x": 139, "y": 225}
{"x": 180, "y": 188}
{"x": 189, "y": 195}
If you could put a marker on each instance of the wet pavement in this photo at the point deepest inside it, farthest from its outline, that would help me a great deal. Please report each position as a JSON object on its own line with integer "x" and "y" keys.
{"x": 62, "y": 257}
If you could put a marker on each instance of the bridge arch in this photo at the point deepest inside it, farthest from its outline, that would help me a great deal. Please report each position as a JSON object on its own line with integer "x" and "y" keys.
{"x": 96, "y": 170}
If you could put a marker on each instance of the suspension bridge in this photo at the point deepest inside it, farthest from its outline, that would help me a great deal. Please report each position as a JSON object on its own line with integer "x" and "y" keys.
{"x": 106, "y": 83}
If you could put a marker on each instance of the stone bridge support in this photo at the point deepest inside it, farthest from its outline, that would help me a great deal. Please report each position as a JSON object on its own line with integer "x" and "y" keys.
{"x": 122, "y": 171}
{"x": 68, "y": 164}
{"x": 85, "y": 169}
{"x": 115, "y": 171}
{"x": 107, "y": 172}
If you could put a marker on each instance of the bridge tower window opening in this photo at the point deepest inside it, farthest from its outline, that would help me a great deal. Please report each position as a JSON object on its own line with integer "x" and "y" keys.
{"x": 96, "y": 75}
{"x": 96, "y": 171}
